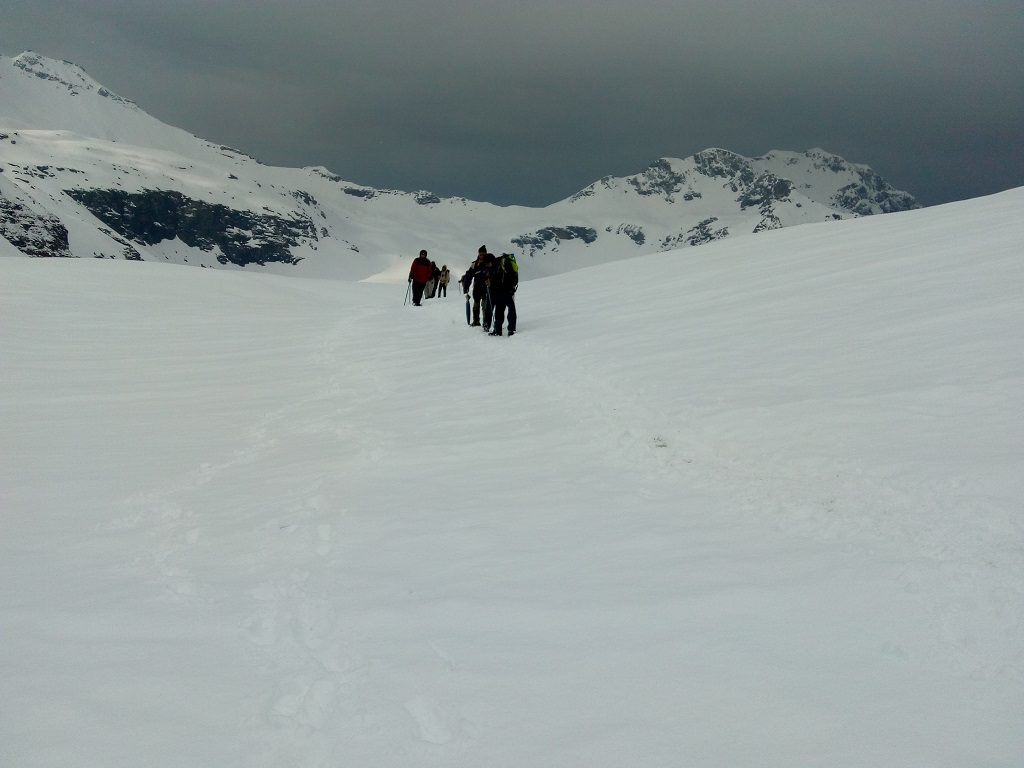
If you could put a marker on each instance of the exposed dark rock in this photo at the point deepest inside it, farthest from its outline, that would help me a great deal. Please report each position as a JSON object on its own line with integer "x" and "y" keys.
{"x": 770, "y": 221}
{"x": 540, "y": 239}
{"x": 41, "y": 171}
{"x": 366, "y": 194}
{"x": 31, "y": 232}
{"x": 873, "y": 191}
{"x": 764, "y": 190}
{"x": 632, "y": 231}
{"x": 305, "y": 197}
{"x": 659, "y": 179}
{"x": 152, "y": 216}
{"x": 821, "y": 159}
{"x": 723, "y": 164}
{"x": 696, "y": 235}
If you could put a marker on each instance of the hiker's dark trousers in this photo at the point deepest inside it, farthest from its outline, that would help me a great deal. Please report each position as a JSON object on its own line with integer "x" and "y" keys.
{"x": 503, "y": 301}
{"x": 417, "y": 292}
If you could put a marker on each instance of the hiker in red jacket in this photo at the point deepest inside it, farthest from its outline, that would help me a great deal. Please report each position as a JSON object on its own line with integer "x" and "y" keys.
{"x": 420, "y": 271}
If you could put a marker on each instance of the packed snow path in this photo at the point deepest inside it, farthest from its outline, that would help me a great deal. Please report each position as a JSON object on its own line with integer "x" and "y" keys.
{"x": 753, "y": 504}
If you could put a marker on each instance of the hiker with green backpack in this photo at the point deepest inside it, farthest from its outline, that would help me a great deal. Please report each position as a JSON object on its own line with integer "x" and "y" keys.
{"x": 504, "y": 280}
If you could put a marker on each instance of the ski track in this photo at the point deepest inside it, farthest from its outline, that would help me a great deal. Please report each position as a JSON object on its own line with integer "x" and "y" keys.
{"x": 295, "y": 631}
{"x": 317, "y": 677}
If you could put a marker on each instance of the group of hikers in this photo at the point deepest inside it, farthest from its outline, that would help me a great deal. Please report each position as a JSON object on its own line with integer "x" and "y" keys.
{"x": 491, "y": 281}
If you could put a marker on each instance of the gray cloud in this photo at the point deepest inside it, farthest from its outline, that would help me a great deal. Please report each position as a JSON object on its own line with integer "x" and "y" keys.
{"x": 528, "y": 102}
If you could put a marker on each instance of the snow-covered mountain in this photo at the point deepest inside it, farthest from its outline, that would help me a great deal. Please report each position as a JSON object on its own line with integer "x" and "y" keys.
{"x": 87, "y": 173}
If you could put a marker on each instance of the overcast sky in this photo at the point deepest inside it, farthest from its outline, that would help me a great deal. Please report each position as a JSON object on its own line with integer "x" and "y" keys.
{"x": 519, "y": 101}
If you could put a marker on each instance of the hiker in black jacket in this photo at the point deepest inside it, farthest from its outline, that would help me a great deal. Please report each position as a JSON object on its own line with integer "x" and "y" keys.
{"x": 487, "y": 266}
{"x": 477, "y": 276}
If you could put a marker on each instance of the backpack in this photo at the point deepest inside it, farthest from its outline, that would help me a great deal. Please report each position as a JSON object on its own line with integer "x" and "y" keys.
{"x": 507, "y": 273}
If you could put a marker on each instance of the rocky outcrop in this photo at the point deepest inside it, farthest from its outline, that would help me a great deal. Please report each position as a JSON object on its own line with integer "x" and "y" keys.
{"x": 31, "y": 232}
{"x": 242, "y": 237}
{"x": 632, "y": 231}
{"x": 659, "y": 179}
{"x": 700, "y": 234}
{"x": 723, "y": 164}
{"x": 542, "y": 238}
{"x": 763, "y": 191}
{"x": 873, "y": 195}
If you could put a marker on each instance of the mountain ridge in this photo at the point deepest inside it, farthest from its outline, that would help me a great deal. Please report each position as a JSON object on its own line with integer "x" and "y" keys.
{"x": 85, "y": 166}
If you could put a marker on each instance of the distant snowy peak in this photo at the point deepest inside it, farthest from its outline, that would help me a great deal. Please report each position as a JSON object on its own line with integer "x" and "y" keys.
{"x": 40, "y": 93}
{"x": 858, "y": 188}
{"x": 64, "y": 74}
{"x": 669, "y": 177}
{"x": 821, "y": 176}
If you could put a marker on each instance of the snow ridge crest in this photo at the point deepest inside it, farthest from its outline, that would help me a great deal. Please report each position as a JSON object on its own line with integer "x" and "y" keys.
{"x": 64, "y": 73}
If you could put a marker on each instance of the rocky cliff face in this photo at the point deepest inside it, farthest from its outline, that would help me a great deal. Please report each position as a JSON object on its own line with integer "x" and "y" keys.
{"x": 32, "y": 232}
{"x": 239, "y": 237}
{"x": 872, "y": 195}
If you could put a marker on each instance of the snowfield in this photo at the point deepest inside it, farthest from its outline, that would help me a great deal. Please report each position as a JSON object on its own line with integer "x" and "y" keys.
{"x": 757, "y": 503}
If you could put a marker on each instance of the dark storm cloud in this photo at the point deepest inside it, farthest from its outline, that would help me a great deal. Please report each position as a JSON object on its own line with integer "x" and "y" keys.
{"x": 528, "y": 102}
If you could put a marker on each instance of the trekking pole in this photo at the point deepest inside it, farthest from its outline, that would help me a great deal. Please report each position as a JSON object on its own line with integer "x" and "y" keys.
{"x": 408, "y": 288}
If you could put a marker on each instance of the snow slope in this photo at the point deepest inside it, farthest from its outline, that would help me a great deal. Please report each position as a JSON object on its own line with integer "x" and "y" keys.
{"x": 758, "y": 506}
